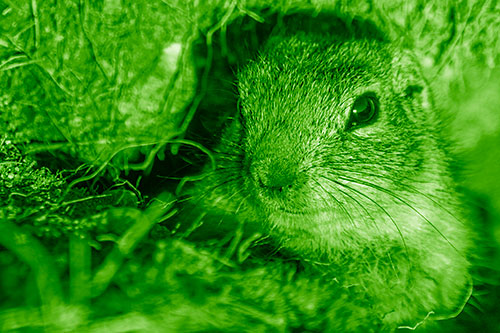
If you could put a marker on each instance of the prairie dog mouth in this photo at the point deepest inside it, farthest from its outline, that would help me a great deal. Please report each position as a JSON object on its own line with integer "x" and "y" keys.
{"x": 291, "y": 211}
{"x": 290, "y": 208}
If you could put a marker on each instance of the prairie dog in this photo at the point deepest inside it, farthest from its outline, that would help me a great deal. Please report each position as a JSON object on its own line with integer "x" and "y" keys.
{"x": 335, "y": 153}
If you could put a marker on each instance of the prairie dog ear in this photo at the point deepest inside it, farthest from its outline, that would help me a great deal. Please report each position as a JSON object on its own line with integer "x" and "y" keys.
{"x": 409, "y": 77}
{"x": 413, "y": 89}
{"x": 411, "y": 86}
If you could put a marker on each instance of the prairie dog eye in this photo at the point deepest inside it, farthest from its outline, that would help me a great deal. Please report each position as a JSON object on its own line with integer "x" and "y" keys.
{"x": 364, "y": 111}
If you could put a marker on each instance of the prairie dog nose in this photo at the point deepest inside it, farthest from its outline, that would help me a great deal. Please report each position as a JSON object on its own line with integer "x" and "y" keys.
{"x": 275, "y": 175}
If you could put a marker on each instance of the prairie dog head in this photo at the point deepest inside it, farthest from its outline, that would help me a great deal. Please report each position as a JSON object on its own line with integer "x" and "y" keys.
{"x": 335, "y": 147}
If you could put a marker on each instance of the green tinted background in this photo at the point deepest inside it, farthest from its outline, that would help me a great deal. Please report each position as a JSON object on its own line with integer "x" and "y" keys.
{"x": 107, "y": 87}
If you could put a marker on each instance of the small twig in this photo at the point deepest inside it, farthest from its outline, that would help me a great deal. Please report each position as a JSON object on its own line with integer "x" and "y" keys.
{"x": 67, "y": 203}
{"x": 417, "y": 324}
{"x": 79, "y": 271}
{"x": 15, "y": 57}
{"x": 34, "y": 11}
{"x": 206, "y": 71}
{"x": 34, "y": 254}
{"x": 89, "y": 40}
{"x": 127, "y": 243}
